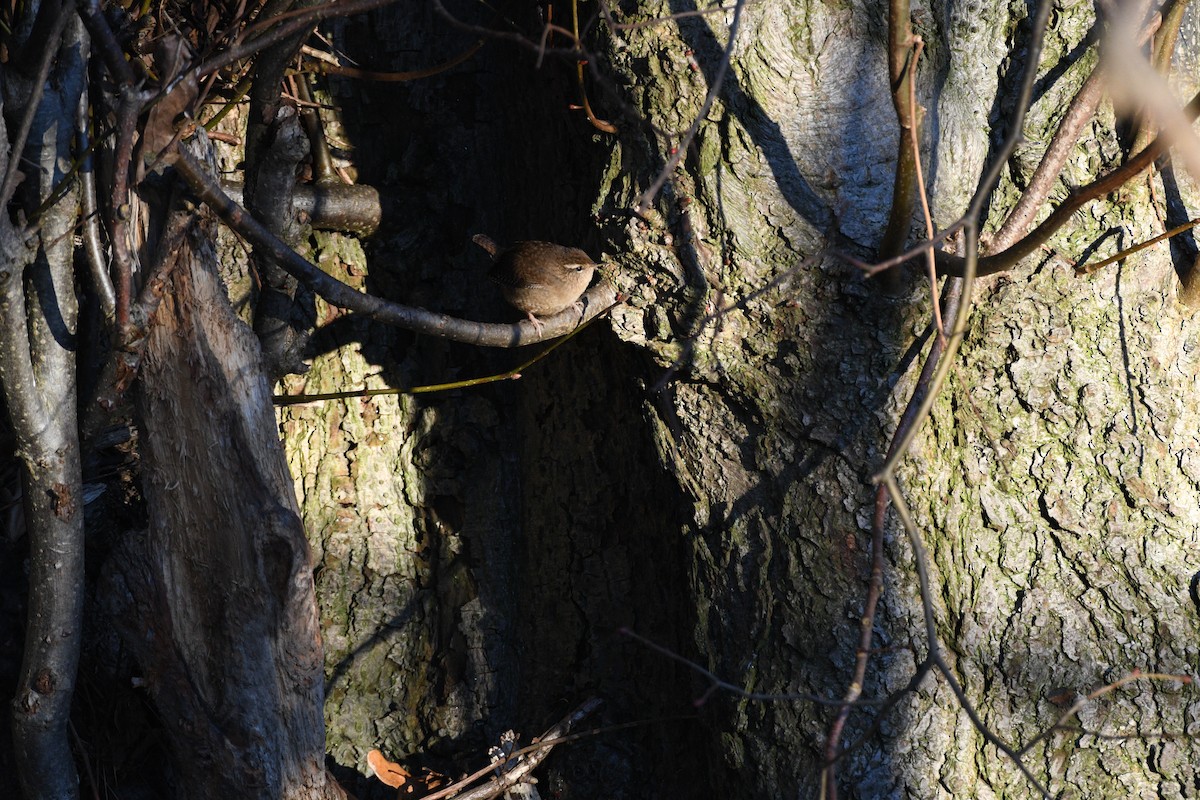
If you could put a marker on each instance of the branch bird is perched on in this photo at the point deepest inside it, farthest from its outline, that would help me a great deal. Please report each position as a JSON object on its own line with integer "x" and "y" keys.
{"x": 539, "y": 278}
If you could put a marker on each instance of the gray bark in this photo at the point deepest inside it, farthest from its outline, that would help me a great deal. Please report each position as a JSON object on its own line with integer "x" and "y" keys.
{"x": 38, "y": 371}
{"x": 216, "y": 599}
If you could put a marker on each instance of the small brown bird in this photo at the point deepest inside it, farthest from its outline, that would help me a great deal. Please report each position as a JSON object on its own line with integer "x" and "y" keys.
{"x": 539, "y": 278}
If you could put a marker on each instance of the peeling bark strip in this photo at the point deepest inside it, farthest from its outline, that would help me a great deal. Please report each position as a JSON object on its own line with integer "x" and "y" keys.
{"x": 62, "y": 501}
{"x": 219, "y": 594}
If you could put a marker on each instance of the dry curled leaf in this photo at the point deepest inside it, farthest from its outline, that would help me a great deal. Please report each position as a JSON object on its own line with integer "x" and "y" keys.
{"x": 393, "y": 775}
{"x": 398, "y": 777}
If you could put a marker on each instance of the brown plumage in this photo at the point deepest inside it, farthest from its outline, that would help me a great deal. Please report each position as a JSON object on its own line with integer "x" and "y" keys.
{"x": 539, "y": 278}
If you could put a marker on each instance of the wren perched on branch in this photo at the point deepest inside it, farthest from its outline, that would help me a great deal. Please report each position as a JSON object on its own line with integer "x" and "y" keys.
{"x": 539, "y": 278}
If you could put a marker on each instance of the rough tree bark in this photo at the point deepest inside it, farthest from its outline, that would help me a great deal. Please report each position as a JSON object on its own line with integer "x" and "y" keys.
{"x": 1056, "y": 485}
{"x": 703, "y": 482}
{"x": 473, "y": 566}
{"x": 215, "y": 599}
{"x": 478, "y": 550}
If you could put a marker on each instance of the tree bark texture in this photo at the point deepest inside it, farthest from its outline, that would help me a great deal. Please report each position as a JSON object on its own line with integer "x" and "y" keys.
{"x": 478, "y": 550}
{"x": 38, "y": 346}
{"x": 467, "y": 585}
{"x": 216, "y": 598}
{"x": 1056, "y": 485}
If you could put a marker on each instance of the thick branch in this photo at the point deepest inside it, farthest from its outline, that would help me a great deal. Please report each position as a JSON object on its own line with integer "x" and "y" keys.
{"x": 595, "y": 300}
{"x": 902, "y": 72}
{"x": 37, "y": 366}
{"x": 949, "y": 264}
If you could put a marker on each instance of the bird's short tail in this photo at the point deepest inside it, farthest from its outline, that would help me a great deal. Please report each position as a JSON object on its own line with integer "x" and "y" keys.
{"x": 486, "y": 243}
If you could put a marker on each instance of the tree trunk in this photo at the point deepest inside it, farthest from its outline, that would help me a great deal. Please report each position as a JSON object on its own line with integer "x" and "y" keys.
{"x": 479, "y": 550}
{"x": 1055, "y": 486}
{"x": 216, "y": 598}
{"x": 39, "y": 338}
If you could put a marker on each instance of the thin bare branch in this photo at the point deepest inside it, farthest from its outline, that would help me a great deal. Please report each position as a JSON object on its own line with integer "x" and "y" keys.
{"x": 921, "y": 562}
{"x": 716, "y": 683}
{"x": 36, "y": 86}
{"x": 277, "y": 29}
{"x": 1164, "y": 48}
{"x": 971, "y": 263}
{"x": 949, "y": 264}
{"x": 1082, "y": 702}
{"x": 938, "y": 363}
{"x": 510, "y": 375}
{"x": 1087, "y": 269}
{"x": 105, "y": 42}
{"x": 92, "y": 247}
{"x": 1135, "y": 76}
{"x": 327, "y": 68}
{"x": 1079, "y": 112}
{"x": 526, "y": 760}
{"x": 863, "y": 654}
